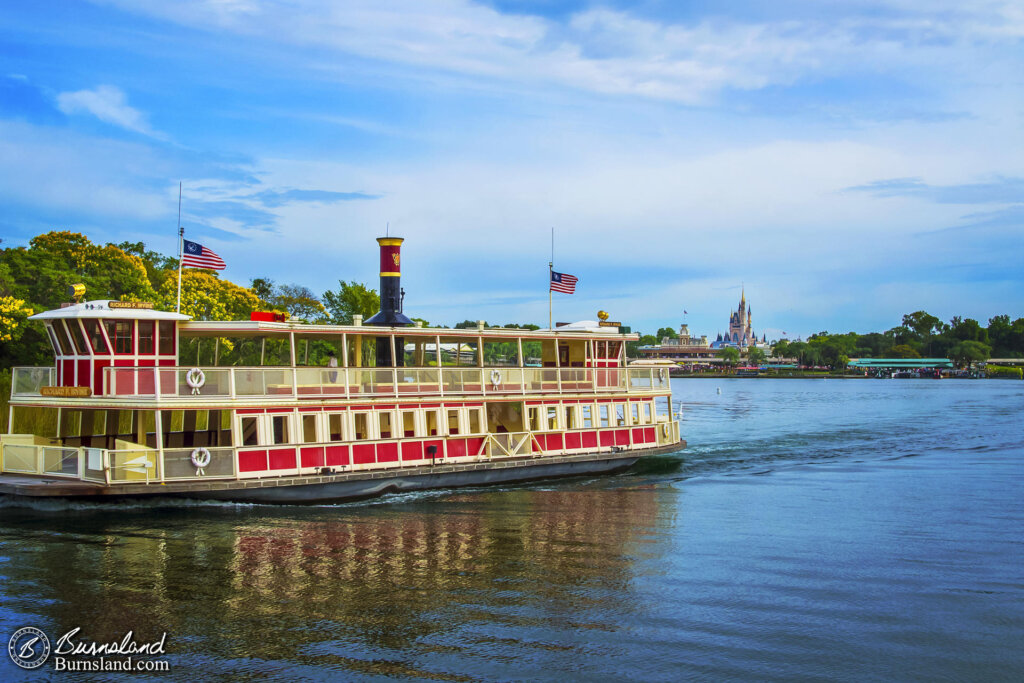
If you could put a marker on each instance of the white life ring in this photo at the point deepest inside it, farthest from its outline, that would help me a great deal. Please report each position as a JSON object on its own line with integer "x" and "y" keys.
{"x": 195, "y": 378}
{"x": 201, "y": 459}
{"x": 496, "y": 378}
{"x": 661, "y": 375}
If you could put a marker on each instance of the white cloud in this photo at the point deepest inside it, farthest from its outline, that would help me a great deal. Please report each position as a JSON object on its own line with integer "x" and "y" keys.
{"x": 108, "y": 104}
{"x": 617, "y": 52}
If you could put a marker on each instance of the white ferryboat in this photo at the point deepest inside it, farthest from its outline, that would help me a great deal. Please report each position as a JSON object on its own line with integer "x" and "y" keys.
{"x": 142, "y": 402}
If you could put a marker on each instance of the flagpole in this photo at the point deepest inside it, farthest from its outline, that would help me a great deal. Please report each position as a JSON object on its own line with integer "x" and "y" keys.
{"x": 181, "y": 244}
{"x": 551, "y": 267}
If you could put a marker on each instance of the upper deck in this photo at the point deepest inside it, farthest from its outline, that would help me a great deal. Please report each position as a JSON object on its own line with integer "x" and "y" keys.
{"x": 107, "y": 353}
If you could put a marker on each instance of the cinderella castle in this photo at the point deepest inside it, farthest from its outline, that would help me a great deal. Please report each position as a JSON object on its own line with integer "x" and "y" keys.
{"x": 741, "y": 330}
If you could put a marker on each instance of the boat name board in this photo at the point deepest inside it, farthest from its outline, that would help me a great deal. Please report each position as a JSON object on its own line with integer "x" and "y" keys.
{"x": 131, "y": 304}
{"x": 66, "y": 392}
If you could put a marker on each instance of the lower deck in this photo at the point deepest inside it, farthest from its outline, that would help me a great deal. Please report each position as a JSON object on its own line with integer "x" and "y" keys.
{"x": 334, "y": 487}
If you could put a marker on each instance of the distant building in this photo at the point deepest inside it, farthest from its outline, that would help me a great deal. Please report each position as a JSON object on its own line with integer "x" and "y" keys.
{"x": 685, "y": 348}
{"x": 741, "y": 329}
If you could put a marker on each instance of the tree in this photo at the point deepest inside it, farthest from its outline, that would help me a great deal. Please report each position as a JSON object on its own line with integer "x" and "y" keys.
{"x": 842, "y": 361}
{"x": 300, "y": 302}
{"x": 781, "y": 348}
{"x": 351, "y": 299}
{"x": 904, "y": 351}
{"x": 666, "y": 333}
{"x": 756, "y": 356}
{"x": 204, "y": 296}
{"x": 730, "y": 356}
{"x": 968, "y": 351}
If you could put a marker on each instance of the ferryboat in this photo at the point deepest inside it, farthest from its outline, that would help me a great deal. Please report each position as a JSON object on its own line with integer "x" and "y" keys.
{"x": 147, "y": 403}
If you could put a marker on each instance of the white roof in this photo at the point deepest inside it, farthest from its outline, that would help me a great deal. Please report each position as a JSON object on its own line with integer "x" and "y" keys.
{"x": 102, "y": 309}
{"x": 586, "y": 326}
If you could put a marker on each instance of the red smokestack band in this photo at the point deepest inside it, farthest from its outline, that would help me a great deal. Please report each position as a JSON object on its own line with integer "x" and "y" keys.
{"x": 390, "y": 256}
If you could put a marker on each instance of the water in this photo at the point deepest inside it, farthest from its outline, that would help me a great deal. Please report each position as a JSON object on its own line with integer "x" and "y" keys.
{"x": 820, "y": 530}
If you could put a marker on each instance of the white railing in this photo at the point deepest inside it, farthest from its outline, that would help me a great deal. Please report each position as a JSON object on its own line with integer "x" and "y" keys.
{"x": 306, "y": 382}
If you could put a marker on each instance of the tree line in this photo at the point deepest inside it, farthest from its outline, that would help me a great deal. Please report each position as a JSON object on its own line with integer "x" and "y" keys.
{"x": 36, "y": 278}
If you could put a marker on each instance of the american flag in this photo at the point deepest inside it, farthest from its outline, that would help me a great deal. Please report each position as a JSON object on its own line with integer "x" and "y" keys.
{"x": 563, "y": 282}
{"x": 195, "y": 255}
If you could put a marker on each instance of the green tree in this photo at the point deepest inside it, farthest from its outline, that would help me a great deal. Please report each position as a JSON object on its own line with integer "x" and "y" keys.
{"x": 756, "y": 356}
{"x": 730, "y": 356}
{"x": 781, "y": 349}
{"x": 969, "y": 351}
{"x": 666, "y": 333}
{"x": 350, "y": 299}
{"x": 904, "y": 351}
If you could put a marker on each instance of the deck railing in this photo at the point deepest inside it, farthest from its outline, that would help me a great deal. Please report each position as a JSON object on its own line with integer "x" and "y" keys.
{"x": 309, "y": 382}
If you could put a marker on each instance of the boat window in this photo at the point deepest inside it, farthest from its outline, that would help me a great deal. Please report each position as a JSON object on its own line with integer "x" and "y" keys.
{"x": 280, "y": 425}
{"x": 384, "y": 421}
{"x": 146, "y": 337}
{"x": 360, "y": 420}
{"x": 602, "y": 349}
{"x": 613, "y": 349}
{"x": 532, "y": 354}
{"x": 95, "y": 334}
{"x": 62, "y": 337}
{"x": 459, "y": 352}
{"x": 453, "y": 421}
{"x": 409, "y": 423}
{"x": 635, "y": 412}
{"x": 588, "y": 416}
{"x": 166, "y": 330}
{"x": 309, "y": 428}
{"x": 202, "y": 420}
{"x": 533, "y": 414}
{"x": 552, "y": 421}
{"x": 602, "y": 411}
{"x": 433, "y": 417}
{"x": 620, "y": 415}
{"x": 570, "y": 417}
{"x": 76, "y": 336}
{"x": 474, "y": 421}
{"x": 249, "y": 431}
{"x": 501, "y": 354}
{"x": 71, "y": 423}
{"x": 647, "y": 413}
{"x": 334, "y": 426}
{"x": 120, "y": 334}
{"x": 53, "y": 339}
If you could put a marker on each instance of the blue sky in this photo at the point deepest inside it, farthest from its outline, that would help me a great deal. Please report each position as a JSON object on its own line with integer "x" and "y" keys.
{"x": 846, "y": 162}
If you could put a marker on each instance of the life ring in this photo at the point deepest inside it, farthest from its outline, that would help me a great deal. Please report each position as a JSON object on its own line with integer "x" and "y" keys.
{"x": 201, "y": 459}
{"x": 496, "y": 378}
{"x": 666, "y": 429}
{"x": 195, "y": 378}
{"x": 661, "y": 375}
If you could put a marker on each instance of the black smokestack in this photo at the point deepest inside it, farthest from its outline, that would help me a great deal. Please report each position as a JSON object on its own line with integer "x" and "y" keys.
{"x": 390, "y": 314}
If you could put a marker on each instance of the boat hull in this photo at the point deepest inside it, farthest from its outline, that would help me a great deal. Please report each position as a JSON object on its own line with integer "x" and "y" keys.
{"x": 331, "y": 488}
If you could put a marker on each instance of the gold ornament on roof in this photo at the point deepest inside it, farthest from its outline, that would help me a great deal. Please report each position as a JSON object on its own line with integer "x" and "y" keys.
{"x": 602, "y": 315}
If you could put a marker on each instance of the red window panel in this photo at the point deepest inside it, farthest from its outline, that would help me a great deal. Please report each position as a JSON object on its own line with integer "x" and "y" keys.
{"x": 607, "y": 438}
{"x": 412, "y": 450}
{"x": 252, "y": 461}
{"x": 282, "y": 459}
{"x": 362, "y": 454}
{"x": 336, "y": 456}
{"x": 312, "y": 456}
{"x": 574, "y": 440}
{"x": 589, "y": 439}
{"x": 387, "y": 452}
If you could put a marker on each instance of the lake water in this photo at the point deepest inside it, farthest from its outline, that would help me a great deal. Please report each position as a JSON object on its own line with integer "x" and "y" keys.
{"x": 815, "y": 529}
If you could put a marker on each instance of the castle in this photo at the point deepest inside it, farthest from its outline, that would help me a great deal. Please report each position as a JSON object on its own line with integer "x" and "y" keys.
{"x": 741, "y": 330}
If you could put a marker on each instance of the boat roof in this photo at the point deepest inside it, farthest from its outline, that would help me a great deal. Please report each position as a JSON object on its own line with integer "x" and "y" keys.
{"x": 102, "y": 308}
{"x": 227, "y": 328}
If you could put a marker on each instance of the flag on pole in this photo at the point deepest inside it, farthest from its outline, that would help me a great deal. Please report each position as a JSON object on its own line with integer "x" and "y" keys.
{"x": 195, "y": 255}
{"x": 686, "y": 312}
{"x": 563, "y": 282}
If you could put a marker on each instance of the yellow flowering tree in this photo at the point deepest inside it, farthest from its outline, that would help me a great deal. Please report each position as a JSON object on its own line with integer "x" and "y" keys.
{"x": 13, "y": 313}
{"x": 204, "y": 296}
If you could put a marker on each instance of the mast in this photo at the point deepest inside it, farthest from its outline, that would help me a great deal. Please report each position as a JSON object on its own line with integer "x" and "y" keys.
{"x": 181, "y": 244}
{"x": 551, "y": 268}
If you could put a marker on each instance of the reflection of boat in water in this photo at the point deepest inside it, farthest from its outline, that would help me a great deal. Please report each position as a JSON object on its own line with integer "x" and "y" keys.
{"x": 142, "y": 402}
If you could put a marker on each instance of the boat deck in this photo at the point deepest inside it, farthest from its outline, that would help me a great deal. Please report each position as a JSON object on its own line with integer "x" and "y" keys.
{"x": 341, "y": 486}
